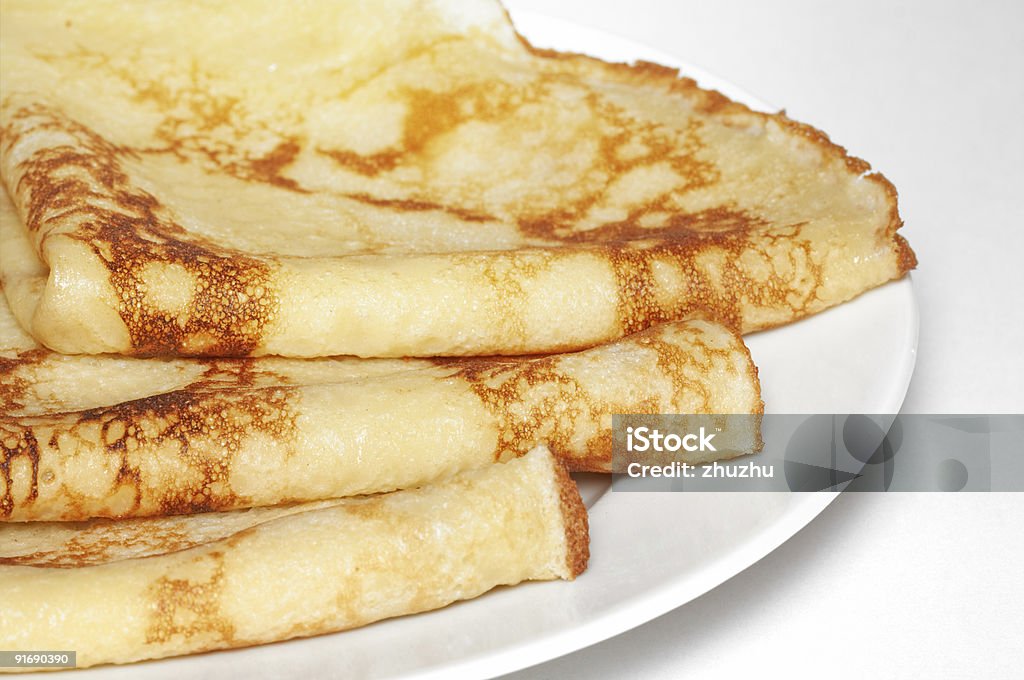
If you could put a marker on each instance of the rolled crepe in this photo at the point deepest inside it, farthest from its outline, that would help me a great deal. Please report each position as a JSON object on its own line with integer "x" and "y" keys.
{"x": 141, "y": 589}
{"x": 181, "y": 436}
{"x": 400, "y": 178}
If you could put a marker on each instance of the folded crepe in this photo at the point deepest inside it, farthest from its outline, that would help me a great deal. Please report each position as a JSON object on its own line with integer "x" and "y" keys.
{"x": 105, "y": 436}
{"x": 399, "y": 178}
{"x": 141, "y": 589}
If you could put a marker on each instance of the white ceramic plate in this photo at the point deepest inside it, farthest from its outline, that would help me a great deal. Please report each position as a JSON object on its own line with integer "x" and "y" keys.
{"x": 651, "y": 552}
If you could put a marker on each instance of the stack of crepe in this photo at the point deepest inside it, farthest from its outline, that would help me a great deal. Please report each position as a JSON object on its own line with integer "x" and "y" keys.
{"x": 308, "y": 307}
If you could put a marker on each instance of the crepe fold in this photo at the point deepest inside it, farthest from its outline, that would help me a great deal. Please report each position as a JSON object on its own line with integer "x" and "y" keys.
{"x": 200, "y": 583}
{"x": 252, "y": 432}
{"x": 399, "y": 178}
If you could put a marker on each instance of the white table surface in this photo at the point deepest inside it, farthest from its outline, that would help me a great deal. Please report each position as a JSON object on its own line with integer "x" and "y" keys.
{"x": 880, "y": 585}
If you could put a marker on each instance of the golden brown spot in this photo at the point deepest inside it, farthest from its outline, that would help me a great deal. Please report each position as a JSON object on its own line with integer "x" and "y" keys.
{"x": 17, "y": 443}
{"x": 204, "y": 430}
{"x": 13, "y": 381}
{"x": 367, "y": 509}
{"x": 403, "y": 205}
{"x": 525, "y": 417}
{"x": 198, "y": 120}
{"x": 432, "y": 114}
{"x": 99, "y": 541}
{"x": 370, "y": 165}
{"x": 136, "y": 235}
{"x": 534, "y": 400}
{"x": 715, "y": 287}
{"x": 268, "y": 168}
{"x": 186, "y": 608}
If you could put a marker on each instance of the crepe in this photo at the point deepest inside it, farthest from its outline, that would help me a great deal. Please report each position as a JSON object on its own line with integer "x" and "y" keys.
{"x": 223, "y": 580}
{"x": 104, "y": 436}
{"x": 400, "y": 178}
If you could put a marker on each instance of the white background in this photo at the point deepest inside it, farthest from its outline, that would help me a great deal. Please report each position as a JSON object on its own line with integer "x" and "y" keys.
{"x": 887, "y": 585}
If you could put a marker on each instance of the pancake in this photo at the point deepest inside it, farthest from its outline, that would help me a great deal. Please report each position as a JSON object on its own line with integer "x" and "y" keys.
{"x": 141, "y": 589}
{"x": 106, "y": 436}
{"x": 399, "y": 178}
